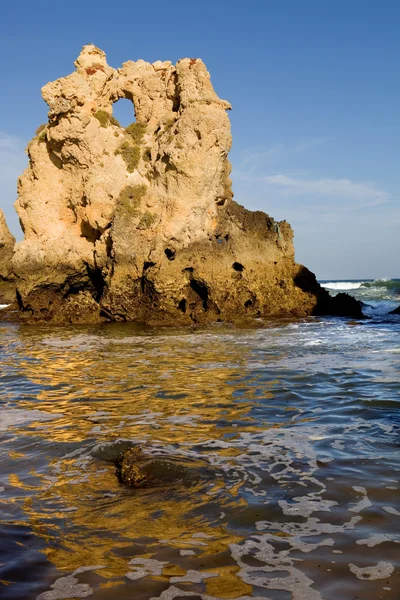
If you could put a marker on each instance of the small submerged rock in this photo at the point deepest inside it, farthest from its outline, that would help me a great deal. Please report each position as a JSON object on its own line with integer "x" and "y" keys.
{"x": 396, "y": 311}
{"x": 128, "y": 470}
{"x": 136, "y": 469}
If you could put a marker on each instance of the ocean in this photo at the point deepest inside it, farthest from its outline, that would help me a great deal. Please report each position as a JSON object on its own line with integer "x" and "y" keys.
{"x": 273, "y": 448}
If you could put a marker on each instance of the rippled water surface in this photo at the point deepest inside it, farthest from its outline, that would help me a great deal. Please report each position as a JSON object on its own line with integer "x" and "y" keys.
{"x": 284, "y": 441}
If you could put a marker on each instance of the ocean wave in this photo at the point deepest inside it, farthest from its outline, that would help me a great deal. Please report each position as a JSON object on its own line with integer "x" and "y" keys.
{"x": 383, "y": 284}
{"x": 393, "y": 285}
{"x": 342, "y": 285}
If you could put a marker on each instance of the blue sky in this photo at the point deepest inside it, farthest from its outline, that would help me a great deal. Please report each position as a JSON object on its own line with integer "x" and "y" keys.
{"x": 315, "y": 92}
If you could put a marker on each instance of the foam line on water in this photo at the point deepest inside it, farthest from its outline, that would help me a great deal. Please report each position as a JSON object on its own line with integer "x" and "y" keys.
{"x": 342, "y": 285}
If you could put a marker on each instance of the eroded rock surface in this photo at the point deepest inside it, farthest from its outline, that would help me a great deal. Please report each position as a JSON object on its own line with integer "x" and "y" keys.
{"x": 7, "y": 243}
{"x": 136, "y": 469}
{"x": 138, "y": 224}
{"x": 128, "y": 469}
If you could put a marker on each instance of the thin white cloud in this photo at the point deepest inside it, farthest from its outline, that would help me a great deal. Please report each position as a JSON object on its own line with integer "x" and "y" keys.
{"x": 364, "y": 193}
{"x": 11, "y": 147}
{"x": 260, "y": 166}
{"x": 257, "y": 157}
{"x": 9, "y": 143}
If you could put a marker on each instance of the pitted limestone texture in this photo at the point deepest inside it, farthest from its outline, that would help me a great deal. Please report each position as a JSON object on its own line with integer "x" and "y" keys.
{"x": 138, "y": 223}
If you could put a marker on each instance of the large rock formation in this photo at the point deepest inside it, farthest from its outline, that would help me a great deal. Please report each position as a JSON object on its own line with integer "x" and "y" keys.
{"x": 139, "y": 223}
{"x": 7, "y": 243}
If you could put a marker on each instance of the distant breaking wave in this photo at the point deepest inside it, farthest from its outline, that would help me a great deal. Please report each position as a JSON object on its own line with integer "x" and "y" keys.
{"x": 342, "y": 285}
{"x": 380, "y": 296}
{"x": 391, "y": 285}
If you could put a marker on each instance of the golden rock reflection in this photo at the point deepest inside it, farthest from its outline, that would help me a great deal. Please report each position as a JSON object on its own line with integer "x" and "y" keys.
{"x": 107, "y": 387}
{"x": 192, "y": 389}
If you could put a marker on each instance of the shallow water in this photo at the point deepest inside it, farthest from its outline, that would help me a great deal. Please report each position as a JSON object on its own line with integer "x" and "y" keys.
{"x": 287, "y": 436}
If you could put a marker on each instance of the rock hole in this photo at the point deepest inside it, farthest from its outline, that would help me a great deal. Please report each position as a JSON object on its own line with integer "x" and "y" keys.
{"x": 220, "y": 238}
{"x": 109, "y": 247}
{"x": 98, "y": 283}
{"x": 182, "y": 305}
{"x": 90, "y": 233}
{"x": 198, "y": 134}
{"x": 201, "y": 289}
{"x": 20, "y": 301}
{"x": 248, "y": 303}
{"x": 238, "y": 266}
{"x": 148, "y": 264}
{"x": 188, "y": 270}
{"x": 168, "y": 165}
{"x": 176, "y": 100}
{"x": 124, "y": 111}
{"x": 170, "y": 254}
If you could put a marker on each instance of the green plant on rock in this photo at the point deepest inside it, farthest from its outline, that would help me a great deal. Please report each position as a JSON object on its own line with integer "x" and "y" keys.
{"x": 105, "y": 119}
{"x": 130, "y": 154}
{"x": 136, "y": 131}
{"x": 42, "y": 137}
{"x": 147, "y": 220}
{"x": 114, "y": 121}
{"x": 40, "y": 129}
{"x": 41, "y": 133}
{"x": 129, "y": 200}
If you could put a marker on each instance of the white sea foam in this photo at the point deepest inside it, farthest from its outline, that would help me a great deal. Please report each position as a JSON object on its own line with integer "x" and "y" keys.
{"x": 391, "y": 510}
{"x": 342, "y": 285}
{"x": 69, "y": 587}
{"x": 142, "y": 567}
{"x": 184, "y": 552}
{"x": 363, "y": 503}
{"x": 382, "y": 570}
{"x": 193, "y": 576}
{"x": 379, "y": 538}
{"x": 76, "y": 342}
